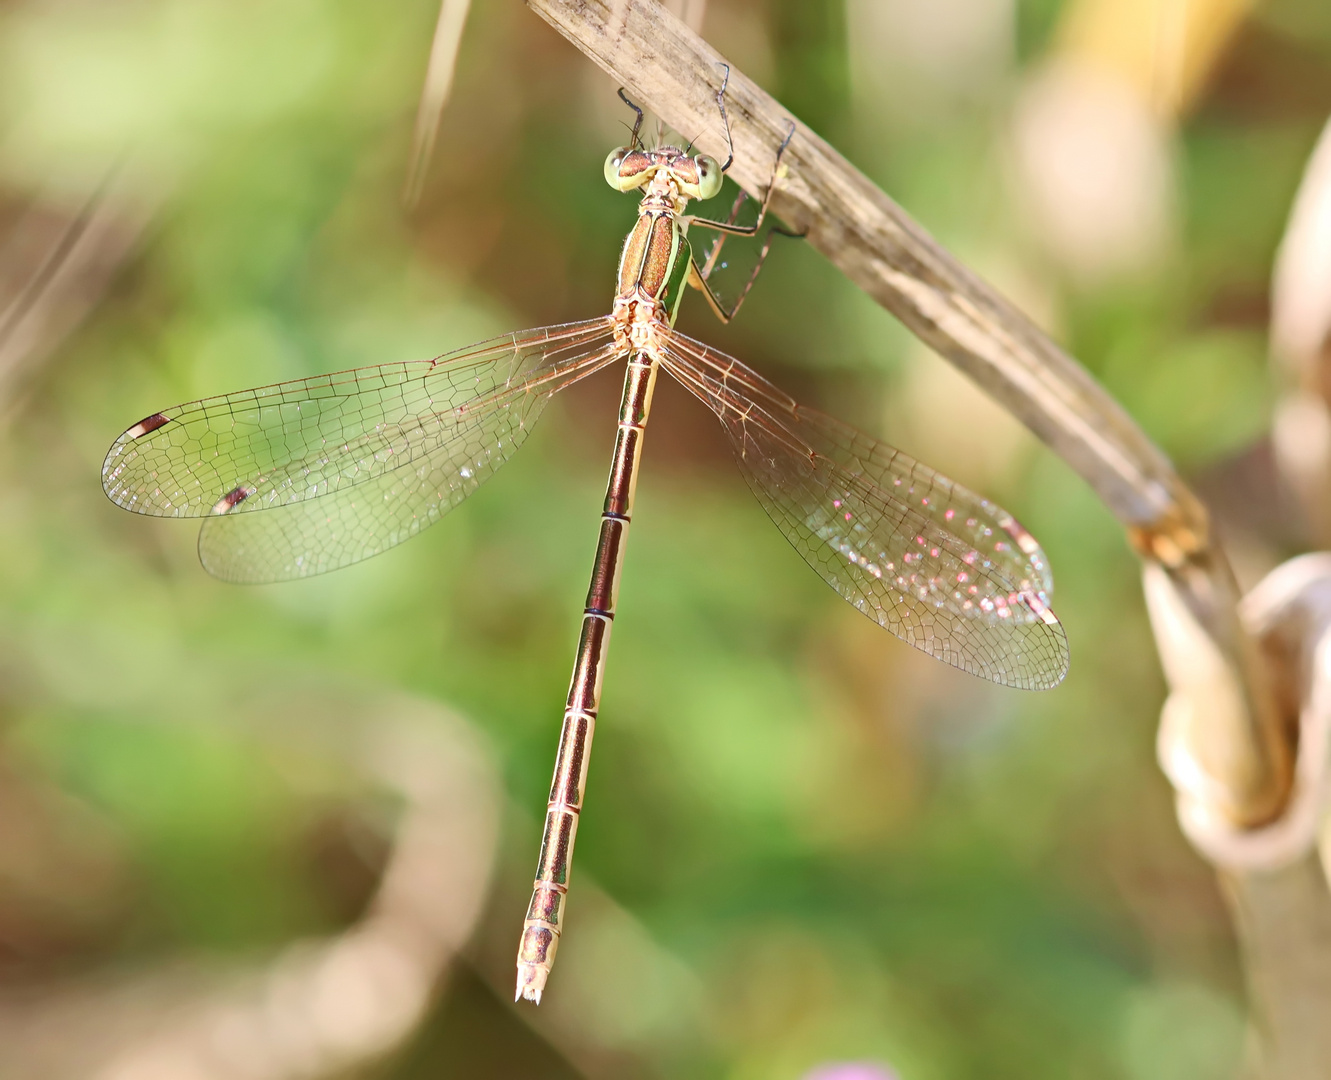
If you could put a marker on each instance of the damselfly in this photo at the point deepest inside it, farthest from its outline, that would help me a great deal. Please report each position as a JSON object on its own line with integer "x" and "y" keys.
{"x": 345, "y": 466}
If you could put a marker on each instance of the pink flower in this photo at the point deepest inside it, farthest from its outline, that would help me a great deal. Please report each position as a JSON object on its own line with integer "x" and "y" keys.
{"x": 862, "y": 1070}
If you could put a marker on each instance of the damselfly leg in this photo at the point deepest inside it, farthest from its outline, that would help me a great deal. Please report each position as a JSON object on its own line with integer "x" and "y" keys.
{"x": 700, "y": 275}
{"x": 634, "y": 140}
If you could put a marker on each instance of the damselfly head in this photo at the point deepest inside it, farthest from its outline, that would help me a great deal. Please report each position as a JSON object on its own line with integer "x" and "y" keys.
{"x": 695, "y": 176}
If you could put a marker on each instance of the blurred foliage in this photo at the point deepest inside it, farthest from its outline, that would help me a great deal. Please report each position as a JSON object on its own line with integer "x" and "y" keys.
{"x": 856, "y": 853}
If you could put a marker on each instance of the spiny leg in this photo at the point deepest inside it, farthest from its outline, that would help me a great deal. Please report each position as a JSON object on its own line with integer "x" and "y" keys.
{"x": 729, "y": 225}
{"x": 721, "y": 104}
{"x": 715, "y": 252}
{"x": 634, "y": 141}
{"x": 698, "y": 275}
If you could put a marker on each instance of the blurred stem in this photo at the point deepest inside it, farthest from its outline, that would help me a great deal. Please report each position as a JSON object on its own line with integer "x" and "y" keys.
{"x": 1165, "y": 49}
{"x": 434, "y": 94}
{"x": 1284, "y": 922}
{"x": 882, "y": 250}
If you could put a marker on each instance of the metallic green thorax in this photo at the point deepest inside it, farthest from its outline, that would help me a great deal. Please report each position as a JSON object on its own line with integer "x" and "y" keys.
{"x": 654, "y": 264}
{"x": 678, "y": 275}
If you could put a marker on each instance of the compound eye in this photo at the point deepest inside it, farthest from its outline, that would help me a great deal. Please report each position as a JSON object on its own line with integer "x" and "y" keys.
{"x": 612, "y": 166}
{"x": 709, "y": 176}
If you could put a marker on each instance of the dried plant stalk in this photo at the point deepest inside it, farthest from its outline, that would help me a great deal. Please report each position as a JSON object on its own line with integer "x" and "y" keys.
{"x": 434, "y": 94}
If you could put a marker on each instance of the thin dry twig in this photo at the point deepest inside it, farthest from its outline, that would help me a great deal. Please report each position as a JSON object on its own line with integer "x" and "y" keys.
{"x": 434, "y": 94}
{"x": 1301, "y": 344}
{"x": 55, "y": 263}
{"x": 888, "y": 255}
{"x": 320, "y": 1007}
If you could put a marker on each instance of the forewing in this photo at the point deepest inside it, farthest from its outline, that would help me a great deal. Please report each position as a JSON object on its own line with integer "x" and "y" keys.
{"x": 302, "y": 439}
{"x": 946, "y": 571}
{"x": 354, "y": 522}
{"x": 345, "y": 465}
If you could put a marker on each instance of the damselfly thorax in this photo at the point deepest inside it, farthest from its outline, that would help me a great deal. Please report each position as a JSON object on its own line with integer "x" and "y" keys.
{"x": 311, "y": 475}
{"x": 656, "y": 261}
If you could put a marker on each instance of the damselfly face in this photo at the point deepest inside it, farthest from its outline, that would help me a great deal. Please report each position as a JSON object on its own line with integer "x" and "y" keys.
{"x": 694, "y": 176}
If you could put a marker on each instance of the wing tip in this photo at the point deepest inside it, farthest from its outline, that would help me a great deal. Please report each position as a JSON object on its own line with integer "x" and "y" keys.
{"x": 146, "y": 426}
{"x": 1052, "y": 675}
{"x": 1048, "y": 675}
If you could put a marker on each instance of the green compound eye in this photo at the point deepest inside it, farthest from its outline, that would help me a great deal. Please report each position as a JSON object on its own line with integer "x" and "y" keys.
{"x": 709, "y": 176}
{"x": 612, "y": 165}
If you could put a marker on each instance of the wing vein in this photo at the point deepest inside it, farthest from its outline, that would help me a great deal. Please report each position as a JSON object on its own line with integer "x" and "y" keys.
{"x": 947, "y": 571}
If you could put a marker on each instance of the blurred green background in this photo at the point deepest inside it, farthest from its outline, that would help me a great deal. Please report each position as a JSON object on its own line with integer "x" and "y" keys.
{"x": 814, "y": 845}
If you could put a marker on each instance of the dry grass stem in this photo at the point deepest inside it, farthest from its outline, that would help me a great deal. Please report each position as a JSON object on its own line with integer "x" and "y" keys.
{"x": 434, "y": 94}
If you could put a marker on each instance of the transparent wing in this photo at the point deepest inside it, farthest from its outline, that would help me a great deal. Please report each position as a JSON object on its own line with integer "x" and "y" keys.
{"x": 945, "y": 570}
{"x": 345, "y": 465}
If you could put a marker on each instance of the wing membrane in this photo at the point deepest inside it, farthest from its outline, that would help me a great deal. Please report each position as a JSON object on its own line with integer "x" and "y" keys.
{"x": 946, "y": 571}
{"x": 350, "y": 464}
